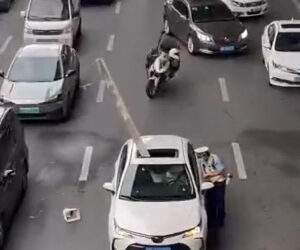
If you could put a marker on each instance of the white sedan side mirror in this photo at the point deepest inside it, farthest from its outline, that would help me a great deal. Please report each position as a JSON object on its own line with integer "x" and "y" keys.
{"x": 108, "y": 186}
{"x": 23, "y": 13}
{"x": 206, "y": 186}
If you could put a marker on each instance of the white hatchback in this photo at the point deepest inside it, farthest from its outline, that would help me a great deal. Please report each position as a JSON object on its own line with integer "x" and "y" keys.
{"x": 55, "y": 21}
{"x": 157, "y": 202}
{"x": 247, "y": 8}
{"x": 281, "y": 52}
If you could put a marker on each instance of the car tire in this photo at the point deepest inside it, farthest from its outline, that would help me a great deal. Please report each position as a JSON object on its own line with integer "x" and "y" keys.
{"x": 166, "y": 26}
{"x": 191, "y": 45}
{"x": 2, "y": 232}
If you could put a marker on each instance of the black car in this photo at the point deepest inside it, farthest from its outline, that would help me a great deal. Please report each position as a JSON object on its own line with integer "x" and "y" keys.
{"x": 206, "y": 26}
{"x": 13, "y": 167}
{"x": 5, "y": 5}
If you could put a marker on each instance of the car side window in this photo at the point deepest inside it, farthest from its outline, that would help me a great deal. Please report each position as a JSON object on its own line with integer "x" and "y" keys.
{"x": 194, "y": 165}
{"x": 122, "y": 163}
{"x": 271, "y": 33}
{"x": 181, "y": 8}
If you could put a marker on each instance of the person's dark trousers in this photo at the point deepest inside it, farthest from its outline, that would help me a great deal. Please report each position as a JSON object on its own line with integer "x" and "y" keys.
{"x": 211, "y": 208}
{"x": 219, "y": 193}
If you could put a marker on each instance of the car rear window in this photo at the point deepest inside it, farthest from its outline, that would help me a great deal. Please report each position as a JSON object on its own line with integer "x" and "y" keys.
{"x": 35, "y": 69}
{"x": 211, "y": 13}
{"x": 49, "y": 10}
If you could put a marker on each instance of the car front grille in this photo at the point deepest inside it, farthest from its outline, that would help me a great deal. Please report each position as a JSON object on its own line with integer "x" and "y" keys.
{"x": 255, "y": 4}
{"x": 171, "y": 247}
{"x": 47, "y": 32}
{"x": 224, "y": 42}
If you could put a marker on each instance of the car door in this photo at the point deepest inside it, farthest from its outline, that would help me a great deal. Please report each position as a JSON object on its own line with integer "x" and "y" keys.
{"x": 267, "y": 42}
{"x": 75, "y": 13}
{"x": 181, "y": 19}
{"x": 8, "y": 176}
{"x": 69, "y": 73}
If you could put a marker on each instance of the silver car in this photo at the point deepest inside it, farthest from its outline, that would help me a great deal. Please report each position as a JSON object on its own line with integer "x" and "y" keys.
{"x": 42, "y": 81}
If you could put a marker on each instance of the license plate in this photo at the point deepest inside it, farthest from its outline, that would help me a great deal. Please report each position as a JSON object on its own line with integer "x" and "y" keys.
{"x": 297, "y": 79}
{"x": 227, "y": 49}
{"x": 29, "y": 110}
{"x": 47, "y": 40}
{"x": 255, "y": 10}
{"x": 158, "y": 248}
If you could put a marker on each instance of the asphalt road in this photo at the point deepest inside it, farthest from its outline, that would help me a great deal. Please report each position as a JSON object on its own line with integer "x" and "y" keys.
{"x": 262, "y": 211}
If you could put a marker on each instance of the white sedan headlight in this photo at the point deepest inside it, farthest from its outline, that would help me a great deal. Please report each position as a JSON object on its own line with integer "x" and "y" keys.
{"x": 27, "y": 30}
{"x": 67, "y": 29}
{"x": 195, "y": 232}
{"x": 244, "y": 35}
{"x": 283, "y": 68}
{"x": 122, "y": 233}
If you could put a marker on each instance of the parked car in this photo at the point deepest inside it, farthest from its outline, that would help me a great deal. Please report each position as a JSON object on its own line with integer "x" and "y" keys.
{"x": 206, "y": 26}
{"x": 57, "y": 21}
{"x": 5, "y": 5}
{"x": 42, "y": 81}
{"x": 281, "y": 52}
{"x": 149, "y": 193}
{"x": 247, "y": 8}
{"x": 13, "y": 168}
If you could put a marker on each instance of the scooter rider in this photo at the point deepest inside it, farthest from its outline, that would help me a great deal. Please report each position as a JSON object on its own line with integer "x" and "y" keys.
{"x": 213, "y": 171}
{"x": 170, "y": 47}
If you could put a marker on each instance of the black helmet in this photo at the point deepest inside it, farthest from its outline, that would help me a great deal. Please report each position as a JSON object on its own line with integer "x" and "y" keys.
{"x": 167, "y": 43}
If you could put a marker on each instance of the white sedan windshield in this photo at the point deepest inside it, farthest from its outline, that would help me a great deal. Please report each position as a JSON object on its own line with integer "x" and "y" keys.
{"x": 157, "y": 183}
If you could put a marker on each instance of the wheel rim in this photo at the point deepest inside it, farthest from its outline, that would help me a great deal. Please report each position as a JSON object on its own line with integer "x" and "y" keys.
{"x": 190, "y": 45}
{"x": 167, "y": 28}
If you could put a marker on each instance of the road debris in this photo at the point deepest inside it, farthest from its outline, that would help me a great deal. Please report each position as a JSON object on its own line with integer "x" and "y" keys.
{"x": 71, "y": 214}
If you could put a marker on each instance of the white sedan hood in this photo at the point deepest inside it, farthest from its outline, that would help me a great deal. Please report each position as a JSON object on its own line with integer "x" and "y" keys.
{"x": 287, "y": 59}
{"x": 157, "y": 218}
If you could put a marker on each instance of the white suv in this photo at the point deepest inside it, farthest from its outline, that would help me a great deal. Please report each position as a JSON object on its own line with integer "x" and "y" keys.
{"x": 157, "y": 202}
{"x": 57, "y": 21}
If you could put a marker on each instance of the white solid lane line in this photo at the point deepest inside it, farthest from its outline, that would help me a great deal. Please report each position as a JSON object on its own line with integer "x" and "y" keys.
{"x": 118, "y": 7}
{"x": 297, "y": 4}
{"x": 101, "y": 89}
{"x": 110, "y": 44}
{"x": 86, "y": 164}
{"x": 239, "y": 161}
{"x": 5, "y": 44}
{"x": 224, "y": 91}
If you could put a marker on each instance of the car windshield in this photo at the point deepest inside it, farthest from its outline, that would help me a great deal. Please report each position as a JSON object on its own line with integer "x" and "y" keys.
{"x": 288, "y": 41}
{"x": 35, "y": 69}
{"x": 49, "y": 10}
{"x": 211, "y": 13}
{"x": 157, "y": 183}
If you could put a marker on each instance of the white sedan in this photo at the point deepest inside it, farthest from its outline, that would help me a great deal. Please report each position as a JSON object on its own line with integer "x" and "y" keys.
{"x": 281, "y": 52}
{"x": 247, "y": 8}
{"x": 157, "y": 202}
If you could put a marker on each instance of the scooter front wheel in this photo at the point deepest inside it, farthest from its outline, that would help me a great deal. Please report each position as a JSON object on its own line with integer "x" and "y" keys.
{"x": 151, "y": 89}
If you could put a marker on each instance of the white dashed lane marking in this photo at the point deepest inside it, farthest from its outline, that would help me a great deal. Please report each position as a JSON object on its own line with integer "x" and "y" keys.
{"x": 85, "y": 168}
{"x": 5, "y": 44}
{"x": 224, "y": 91}
{"x": 101, "y": 90}
{"x": 118, "y": 7}
{"x": 239, "y": 161}
{"x": 110, "y": 44}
